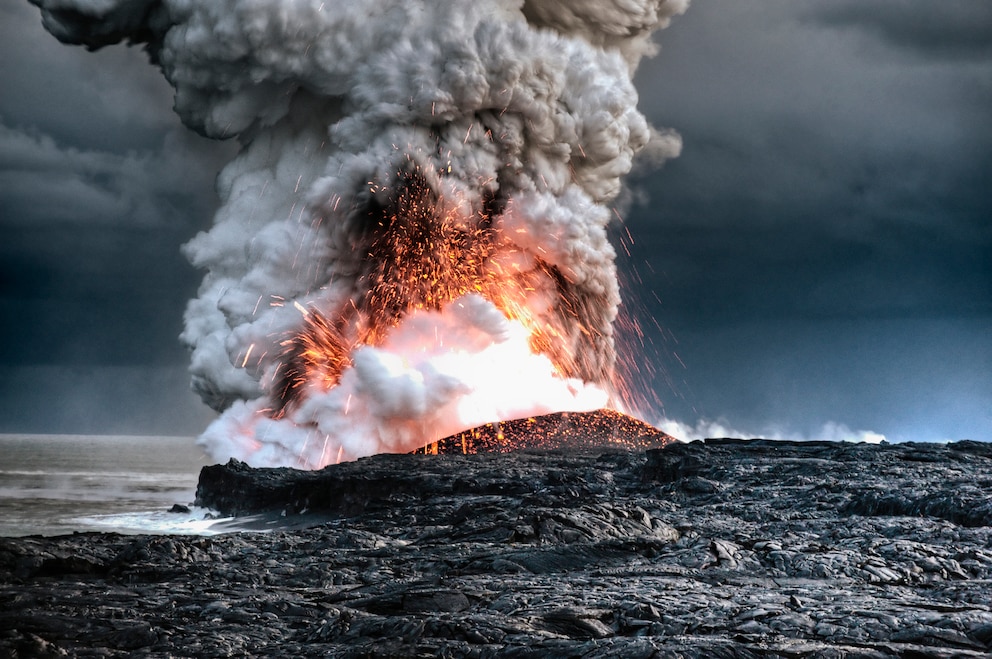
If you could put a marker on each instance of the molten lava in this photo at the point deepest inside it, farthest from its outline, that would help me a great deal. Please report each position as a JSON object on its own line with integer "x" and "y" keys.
{"x": 561, "y": 431}
{"x": 424, "y": 254}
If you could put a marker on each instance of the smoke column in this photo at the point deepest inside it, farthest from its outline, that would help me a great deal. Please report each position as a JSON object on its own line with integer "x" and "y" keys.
{"x": 413, "y": 238}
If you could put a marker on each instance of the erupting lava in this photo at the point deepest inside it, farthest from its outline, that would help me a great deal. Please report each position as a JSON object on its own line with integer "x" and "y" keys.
{"x": 424, "y": 256}
{"x": 413, "y": 239}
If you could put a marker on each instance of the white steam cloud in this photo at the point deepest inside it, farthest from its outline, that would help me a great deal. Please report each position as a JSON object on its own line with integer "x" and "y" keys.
{"x": 706, "y": 428}
{"x": 512, "y": 123}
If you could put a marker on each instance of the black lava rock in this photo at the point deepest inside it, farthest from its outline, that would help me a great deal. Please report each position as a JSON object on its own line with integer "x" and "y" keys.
{"x": 723, "y": 548}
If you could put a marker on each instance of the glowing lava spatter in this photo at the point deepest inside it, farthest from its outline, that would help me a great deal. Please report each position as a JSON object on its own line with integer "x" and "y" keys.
{"x": 413, "y": 239}
{"x": 602, "y": 429}
{"x": 423, "y": 256}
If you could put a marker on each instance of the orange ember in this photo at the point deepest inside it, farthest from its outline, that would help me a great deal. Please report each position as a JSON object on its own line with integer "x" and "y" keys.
{"x": 563, "y": 430}
{"x": 319, "y": 354}
{"x": 419, "y": 257}
{"x": 422, "y": 254}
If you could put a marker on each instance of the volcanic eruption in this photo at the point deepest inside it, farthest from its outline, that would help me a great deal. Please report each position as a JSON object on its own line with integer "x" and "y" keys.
{"x": 412, "y": 241}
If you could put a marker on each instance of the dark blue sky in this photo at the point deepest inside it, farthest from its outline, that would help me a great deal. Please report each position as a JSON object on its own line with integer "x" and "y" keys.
{"x": 819, "y": 255}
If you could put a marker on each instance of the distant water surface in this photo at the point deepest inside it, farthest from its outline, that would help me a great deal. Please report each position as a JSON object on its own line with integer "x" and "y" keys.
{"x": 55, "y": 484}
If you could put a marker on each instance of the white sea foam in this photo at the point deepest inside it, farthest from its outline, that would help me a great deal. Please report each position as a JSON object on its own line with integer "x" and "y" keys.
{"x": 54, "y": 484}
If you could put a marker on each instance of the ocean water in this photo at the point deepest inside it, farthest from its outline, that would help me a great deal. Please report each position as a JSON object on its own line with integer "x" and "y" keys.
{"x": 58, "y": 484}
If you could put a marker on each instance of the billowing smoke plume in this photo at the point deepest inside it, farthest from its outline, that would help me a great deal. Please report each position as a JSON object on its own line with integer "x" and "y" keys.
{"x": 413, "y": 239}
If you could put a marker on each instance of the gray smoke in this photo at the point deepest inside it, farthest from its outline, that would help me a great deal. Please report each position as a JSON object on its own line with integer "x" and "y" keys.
{"x": 513, "y": 122}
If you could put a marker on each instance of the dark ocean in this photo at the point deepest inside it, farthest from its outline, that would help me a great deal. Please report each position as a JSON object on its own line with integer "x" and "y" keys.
{"x": 57, "y": 484}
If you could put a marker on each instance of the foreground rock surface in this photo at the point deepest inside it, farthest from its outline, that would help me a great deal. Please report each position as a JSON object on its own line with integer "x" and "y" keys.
{"x": 726, "y": 548}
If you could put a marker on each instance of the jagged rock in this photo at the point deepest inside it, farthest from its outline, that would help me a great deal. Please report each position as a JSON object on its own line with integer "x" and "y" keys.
{"x": 723, "y": 548}
{"x": 237, "y": 489}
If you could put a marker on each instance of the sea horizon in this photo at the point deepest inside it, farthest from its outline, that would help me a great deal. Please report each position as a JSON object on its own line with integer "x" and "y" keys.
{"x": 61, "y": 483}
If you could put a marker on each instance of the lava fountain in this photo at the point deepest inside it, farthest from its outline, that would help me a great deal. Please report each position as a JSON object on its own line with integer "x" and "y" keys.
{"x": 413, "y": 239}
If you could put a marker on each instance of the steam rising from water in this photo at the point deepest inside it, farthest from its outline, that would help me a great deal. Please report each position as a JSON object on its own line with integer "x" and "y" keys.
{"x": 381, "y": 140}
{"x": 831, "y": 432}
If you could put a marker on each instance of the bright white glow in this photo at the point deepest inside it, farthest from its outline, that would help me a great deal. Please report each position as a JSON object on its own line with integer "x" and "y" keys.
{"x": 437, "y": 374}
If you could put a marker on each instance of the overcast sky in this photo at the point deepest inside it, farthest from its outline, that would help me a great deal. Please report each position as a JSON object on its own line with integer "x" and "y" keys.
{"x": 819, "y": 255}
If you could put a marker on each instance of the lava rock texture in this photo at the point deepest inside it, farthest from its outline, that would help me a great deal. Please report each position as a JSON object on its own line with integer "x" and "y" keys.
{"x": 723, "y": 548}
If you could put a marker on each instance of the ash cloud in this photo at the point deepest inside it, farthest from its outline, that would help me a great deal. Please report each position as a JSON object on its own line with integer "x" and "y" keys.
{"x": 839, "y": 182}
{"x": 517, "y": 115}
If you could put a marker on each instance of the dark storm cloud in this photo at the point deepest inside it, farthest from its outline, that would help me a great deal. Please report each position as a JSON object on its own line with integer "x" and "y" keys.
{"x": 90, "y": 263}
{"x": 91, "y": 137}
{"x": 44, "y": 181}
{"x": 821, "y": 247}
{"x": 953, "y": 28}
{"x": 99, "y": 186}
{"x": 92, "y": 295}
{"x": 814, "y": 181}
{"x": 109, "y": 100}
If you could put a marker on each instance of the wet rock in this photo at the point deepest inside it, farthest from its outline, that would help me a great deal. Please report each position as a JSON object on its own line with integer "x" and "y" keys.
{"x": 723, "y": 548}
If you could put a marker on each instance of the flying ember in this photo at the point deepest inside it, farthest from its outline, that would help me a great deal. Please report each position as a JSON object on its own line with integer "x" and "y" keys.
{"x": 422, "y": 256}
{"x": 413, "y": 239}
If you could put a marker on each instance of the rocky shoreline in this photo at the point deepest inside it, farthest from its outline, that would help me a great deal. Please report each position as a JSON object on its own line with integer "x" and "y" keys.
{"x": 723, "y": 548}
